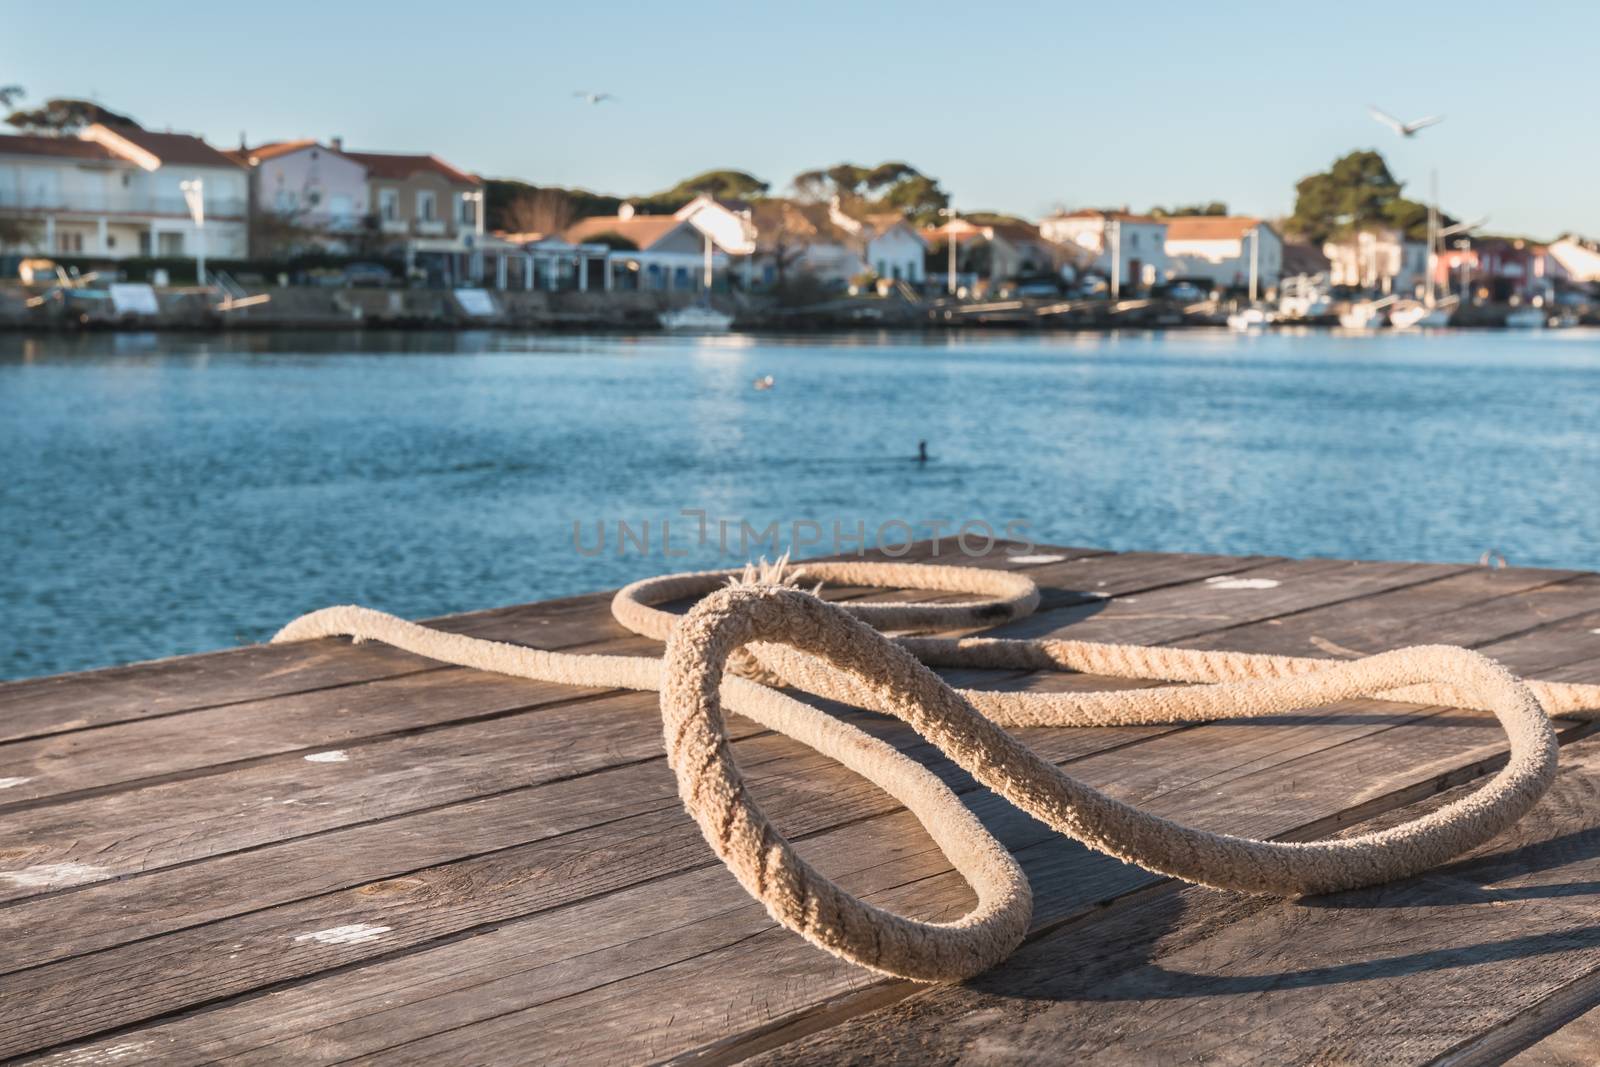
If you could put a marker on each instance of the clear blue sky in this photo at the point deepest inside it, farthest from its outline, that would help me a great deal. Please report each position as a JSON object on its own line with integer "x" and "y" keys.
{"x": 1014, "y": 106}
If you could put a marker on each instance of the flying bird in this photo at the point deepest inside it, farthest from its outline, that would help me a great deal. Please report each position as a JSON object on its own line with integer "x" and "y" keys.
{"x": 592, "y": 98}
{"x": 1404, "y": 129}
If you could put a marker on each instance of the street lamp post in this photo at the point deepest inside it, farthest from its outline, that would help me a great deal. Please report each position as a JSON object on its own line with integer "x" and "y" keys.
{"x": 194, "y": 194}
{"x": 949, "y": 213}
{"x": 475, "y": 198}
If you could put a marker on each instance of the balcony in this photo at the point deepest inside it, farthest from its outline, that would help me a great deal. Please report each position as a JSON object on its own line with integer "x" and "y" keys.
{"x": 117, "y": 203}
{"x": 430, "y": 227}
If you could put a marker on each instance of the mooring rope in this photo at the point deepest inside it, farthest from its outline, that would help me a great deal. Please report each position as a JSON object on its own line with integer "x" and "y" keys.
{"x": 760, "y": 626}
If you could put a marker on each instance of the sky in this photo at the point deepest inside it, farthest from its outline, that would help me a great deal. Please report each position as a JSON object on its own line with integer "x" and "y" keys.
{"x": 1014, "y": 107}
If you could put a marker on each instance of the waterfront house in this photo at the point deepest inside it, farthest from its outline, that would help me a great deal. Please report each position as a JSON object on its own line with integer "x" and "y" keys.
{"x": 996, "y": 250}
{"x": 1303, "y": 259}
{"x": 1133, "y": 247}
{"x": 429, "y": 211}
{"x": 887, "y": 245}
{"x": 116, "y": 192}
{"x": 1578, "y": 259}
{"x": 304, "y": 193}
{"x": 1497, "y": 269}
{"x": 653, "y": 252}
{"x": 1378, "y": 259}
{"x": 1221, "y": 248}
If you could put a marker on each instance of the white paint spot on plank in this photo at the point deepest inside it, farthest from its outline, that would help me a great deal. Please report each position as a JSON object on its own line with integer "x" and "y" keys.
{"x": 354, "y": 934}
{"x": 1026, "y": 561}
{"x": 1596, "y": 630}
{"x": 335, "y": 756}
{"x": 12, "y": 783}
{"x": 117, "y": 1053}
{"x": 1224, "y": 581}
{"x": 46, "y": 875}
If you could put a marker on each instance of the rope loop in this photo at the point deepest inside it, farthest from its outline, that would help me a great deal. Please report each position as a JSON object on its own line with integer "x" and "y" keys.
{"x": 739, "y": 642}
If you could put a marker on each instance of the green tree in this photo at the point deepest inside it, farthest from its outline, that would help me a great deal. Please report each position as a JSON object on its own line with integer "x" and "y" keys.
{"x": 723, "y": 184}
{"x": 1214, "y": 207}
{"x": 890, "y": 186}
{"x": 66, "y": 115}
{"x": 1357, "y": 192}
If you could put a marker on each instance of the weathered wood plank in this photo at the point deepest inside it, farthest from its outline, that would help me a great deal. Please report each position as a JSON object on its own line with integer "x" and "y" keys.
{"x": 141, "y": 750}
{"x": 1577, "y": 1044}
{"x": 59, "y": 703}
{"x": 147, "y": 826}
{"x": 1226, "y": 752}
{"x": 1413, "y": 972}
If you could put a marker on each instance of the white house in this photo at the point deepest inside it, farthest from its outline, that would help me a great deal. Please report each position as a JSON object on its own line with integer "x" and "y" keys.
{"x": 996, "y": 250}
{"x": 658, "y": 252}
{"x": 309, "y": 184}
{"x": 1379, "y": 259}
{"x": 728, "y": 223}
{"x": 1578, "y": 259}
{"x": 116, "y": 192}
{"x": 1132, "y": 246}
{"x": 1221, "y": 249}
{"x": 888, "y": 245}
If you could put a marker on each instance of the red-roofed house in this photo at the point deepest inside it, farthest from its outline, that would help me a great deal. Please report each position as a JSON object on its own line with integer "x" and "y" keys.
{"x": 659, "y": 252}
{"x": 420, "y": 195}
{"x": 1220, "y": 249}
{"x": 115, "y": 192}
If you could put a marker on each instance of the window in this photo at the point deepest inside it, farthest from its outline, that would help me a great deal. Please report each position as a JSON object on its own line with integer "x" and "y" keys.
{"x": 111, "y": 240}
{"x": 426, "y": 209}
{"x": 389, "y": 204}
{"x": 469, "y": 211}
{"x": 285, "y": 201}
{"x": 169, "y": 244}
{"x": 69, "y": 242}
{"x": 341, "y": 207}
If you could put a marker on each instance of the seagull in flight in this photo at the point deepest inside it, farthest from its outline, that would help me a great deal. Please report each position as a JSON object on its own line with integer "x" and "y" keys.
{"x": 1404, "y": 129}
{"x": 592, "y": 98}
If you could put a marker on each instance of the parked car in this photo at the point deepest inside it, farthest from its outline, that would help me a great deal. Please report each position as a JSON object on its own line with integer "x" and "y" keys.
{"x": 1035, "y": 285}
{"x": 367, "y": 275}
{"x": 1186, "y": 293}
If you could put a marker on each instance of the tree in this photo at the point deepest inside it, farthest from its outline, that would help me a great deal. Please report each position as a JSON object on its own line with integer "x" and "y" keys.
{"x": 722, "y": 184}
{"x": 1214, "y": 207}
{"x": 892, "y": 186}
{"x": 1356, "y": 193}
{"x": 66, "y": 115}
{"x": 10, "y": 94}
{"x": 546, "y": 211}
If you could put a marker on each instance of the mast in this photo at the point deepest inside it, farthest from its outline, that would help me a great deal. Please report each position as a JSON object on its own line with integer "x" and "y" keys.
{"x": 1428, "y": 296}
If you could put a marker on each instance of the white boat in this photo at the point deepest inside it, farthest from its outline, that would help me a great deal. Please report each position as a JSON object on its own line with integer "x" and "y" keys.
{"x": 696, "y": 318}
{"x": 1250, "y": 319}
{"x": 1527, "y": 318}
{"x": 1303, "y": 298}
{"x": 1363, "y": 315}
{"x": 1412, "y": 314}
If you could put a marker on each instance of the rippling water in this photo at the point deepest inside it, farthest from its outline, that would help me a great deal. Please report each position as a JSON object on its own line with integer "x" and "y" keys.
{"x": 169, "y": 494}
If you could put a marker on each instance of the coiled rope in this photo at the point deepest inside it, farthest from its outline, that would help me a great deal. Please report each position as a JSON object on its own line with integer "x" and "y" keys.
{"x": 761, "y": 627}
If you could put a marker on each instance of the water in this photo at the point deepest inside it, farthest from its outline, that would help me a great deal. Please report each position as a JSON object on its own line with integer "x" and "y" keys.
{"x": 170, "y": 494}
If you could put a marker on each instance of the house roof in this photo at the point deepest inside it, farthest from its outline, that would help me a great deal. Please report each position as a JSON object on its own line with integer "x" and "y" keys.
{"x": 1209, "y": 227}
{"x": 174, "y": 149}
{"x": 398, "y": 167}
{"x": 1302, "y": 258}
{"x": 26, "y": 144}
{"x": 270, "y": 150}
{"x": 642, "y": 230}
